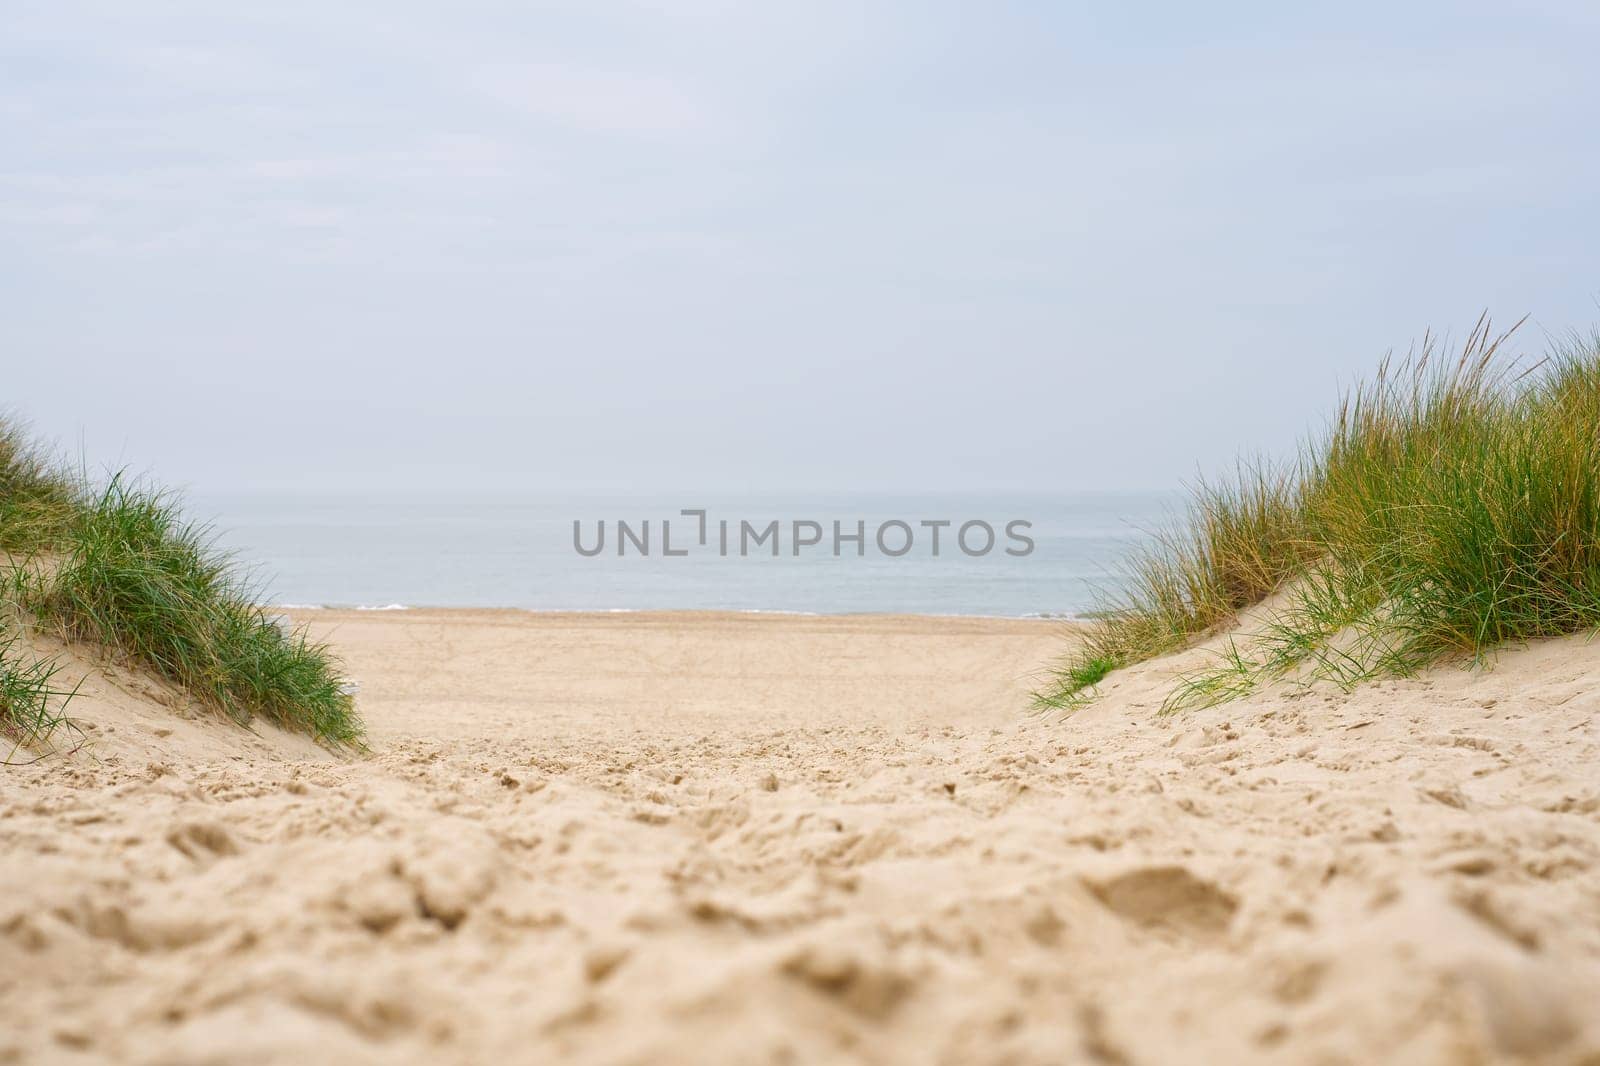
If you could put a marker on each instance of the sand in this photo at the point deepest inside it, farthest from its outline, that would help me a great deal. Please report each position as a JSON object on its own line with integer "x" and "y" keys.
{"x": 690, "y": 838}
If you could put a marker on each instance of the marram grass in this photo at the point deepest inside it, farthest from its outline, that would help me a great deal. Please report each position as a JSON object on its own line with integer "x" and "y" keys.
{"x": 134, "y": 577}
{"x": 32, "y": 708}
{"x": 36, "y": 499}
{"x": 1452, "y": 505}
{"x": 120, "y": 568}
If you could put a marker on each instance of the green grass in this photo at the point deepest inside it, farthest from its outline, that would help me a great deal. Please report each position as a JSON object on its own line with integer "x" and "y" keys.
{"x": 1452, "y": 505}
{"x": 36, "y": 499}
{"x": 32, "y": 709}
{"x": 1077, "y": 682}
{"x": 120, "y": 568}
{"x": 134, "y": 577}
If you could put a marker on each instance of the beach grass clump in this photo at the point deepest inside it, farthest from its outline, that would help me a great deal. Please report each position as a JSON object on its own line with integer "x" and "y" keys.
{"x": 1451, "y": 506}
{"x": 32, "y": 707}
{"x": 1076, "y": 682}
{"x": 1237, "y": 541}
{"x": 37, "y": 499}
{"x": 130, "y": 574}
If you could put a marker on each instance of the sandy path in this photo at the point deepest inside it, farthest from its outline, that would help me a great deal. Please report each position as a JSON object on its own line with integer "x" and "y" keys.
{"x": 702, "y": 838}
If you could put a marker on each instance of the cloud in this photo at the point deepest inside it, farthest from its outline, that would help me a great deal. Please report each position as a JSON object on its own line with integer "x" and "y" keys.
{"x": 594, "y": 100}
{"x": 226, "y": 69}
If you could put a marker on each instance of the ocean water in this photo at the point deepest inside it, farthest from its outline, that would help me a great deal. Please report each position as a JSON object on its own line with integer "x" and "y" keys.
{"x": 475, "y": 551}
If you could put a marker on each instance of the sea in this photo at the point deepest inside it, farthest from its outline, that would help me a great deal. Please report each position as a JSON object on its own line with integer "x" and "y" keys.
{"x": 1007, "y": 555}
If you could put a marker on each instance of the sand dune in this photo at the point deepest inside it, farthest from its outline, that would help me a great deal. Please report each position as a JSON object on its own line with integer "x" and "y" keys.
{"x": 689, "y": 838}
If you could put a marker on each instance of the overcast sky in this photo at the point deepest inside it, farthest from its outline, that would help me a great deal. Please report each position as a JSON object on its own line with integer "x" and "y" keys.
{"x": 880, "y": 246}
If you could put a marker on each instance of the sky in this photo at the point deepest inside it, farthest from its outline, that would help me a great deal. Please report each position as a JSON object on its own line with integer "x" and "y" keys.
{"x": 867, "y": 246}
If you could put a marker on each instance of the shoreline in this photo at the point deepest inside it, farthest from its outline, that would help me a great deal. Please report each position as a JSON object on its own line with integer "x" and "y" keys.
{"x": 310, "y": 610}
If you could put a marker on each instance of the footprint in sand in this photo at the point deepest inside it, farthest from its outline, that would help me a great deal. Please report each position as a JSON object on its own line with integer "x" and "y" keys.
{"x": 1167, "y": 898}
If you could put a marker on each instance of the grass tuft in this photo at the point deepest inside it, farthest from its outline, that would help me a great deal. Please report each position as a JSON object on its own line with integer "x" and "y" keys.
{"x": 37, "y": 499}
{"x": 1077, "y": 683}
{"x": 1451, "y": 505}
{"x": 32, "y": 709}
{"x": 120, "y": 567}
{"x": 133, "y": 576}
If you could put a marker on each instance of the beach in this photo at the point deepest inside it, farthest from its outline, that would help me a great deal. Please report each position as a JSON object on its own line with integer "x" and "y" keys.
{"x": 625, "y": 534}
{"x": 686, "y": 837}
